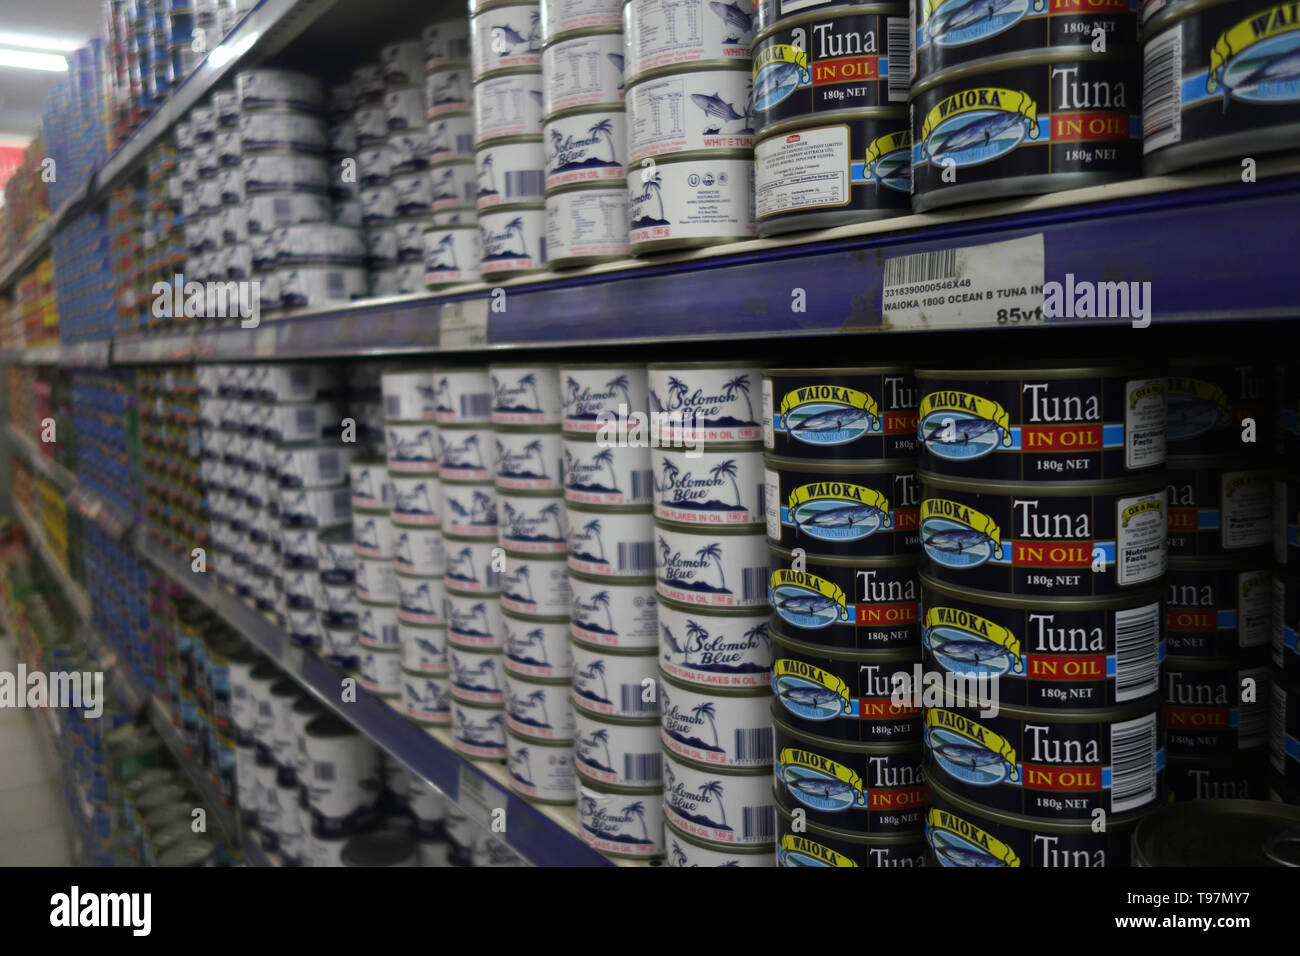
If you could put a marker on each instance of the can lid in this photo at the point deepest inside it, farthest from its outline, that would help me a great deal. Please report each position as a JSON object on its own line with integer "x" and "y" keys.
{"x": 693, "y": 67}
{"x": 755, "y": 530}
{"x": 695, "y": 610}
{"x": 534, "y": 742}
{"x": 1177, "y": 11}
{"x": 981, "y": 67}
{"x": 716, "y": 771}
{"x": 781, "y": 721}
{"x": 841, "y": 654}
{"x": 1152, "y": 482}
{"x": 975, "y": 812}
{"x": 385, "y": 848}
{"x": 609, "y": 30}
{"x": 762, "y": 849}
{"x": 191, "y": 852}
{"x": 755, "y": 364}
{"x": 650, "y": 651}
{"x": 1220, "y": 833}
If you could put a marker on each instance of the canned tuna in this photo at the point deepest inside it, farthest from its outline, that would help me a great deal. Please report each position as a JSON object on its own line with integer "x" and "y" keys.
{"x": 285, "y": 172}
{"x": 402, "y": 63}
{"x": 1215, "y": 707}
{"x": 593, "y": 395}
{"x": 368, "y": 83}
{"x": 583, "y": 70}
{"x": 616, "y": 475}
{"x": 376, "y": 580}
{"x": 537, "y": 649}
{"x": 372, "y": 126}
{"x": 445, "y": 42}
{"x": 609, "y": 683}
{"x": 620, "y": 824}
{"x": 734, "y": 809}
{"x": 478, "y": 732}
{"x": 473, "y": 566}
{"x": 541, "y": 773}
{"x": 612, "y": 613}
{"x": 418, "y": 193}
{"x": 538, "y": 711}
{"x": 1284, "y": 629}
{"x": 533, "y": 525}
{"x": 426, "y": 699}
{"x": 408, "y": 395}
{"x": 1284, "y": 731}
{"x": 715, "y": 727}
{"x": 315, "y": 507}
{"x": 729, "y": 650}
{"x": 277, "y": 130}
{"x": 564, "y": 16}
{"x": 584, "y": 147}
{"x": 811, "y": 845}
{"x": 703, "y": 401}
{"x": 507, "y": 105}
{"x": 630, "y": 537}
{"x": 617, "y": 753}
{"x": 513, "y": 239}
{"x": 840, "y": 413}
{"x": 409, "y": 151}
{"x": 312, "y": 287}
{"x": 424, "y": 649}
{"x": 1241, "y": 777}
{"x": 1286, "y": 520}
{"x": 504, "y": 38}
{"x": 717, "y": 32}
{"x": 451, "y": 254}
{"x": 1218, "y": 609}
{"x": 476, "y": 675}
{"x": 816, "y": 505}
{"x": 380, "y": 671}
{"x": 686, "y": 203}
{"x": 450, "y": 138}
{"x": 271, "y": 89}
{"x": 344, "y": 780}
{"x": 663, "y": 118}
{"x": 473, "y": 621}
{"x": 586, "y": 226}
{"x": 416, "y": 500}
{"x": 418, "y": 550}
{"x": 535, "y": 586}
{"x": 419, "y": 600}
{"x": 686, "y": 851}
{"x": 1215, "y": 508}
{"x": 686, "y": 561}
{"x": 510, "y": 172}
{"x": 470, "y": 510}
{"x": 269, "y": 211}
{"x": 412, "y": 449}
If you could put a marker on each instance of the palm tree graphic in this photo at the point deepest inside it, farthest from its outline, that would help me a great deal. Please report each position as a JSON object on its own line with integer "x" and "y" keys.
{"x": 536, "y": 636}
{"x": 491, "y": 176}
{"x": 476, "y": 610}
{"x": 759, "y": 631}
{"x": 714, "y": 552}
{"x": 466, "y": 555}
{"x": 665, "y": 551}
{"x": 605, "y": 128}
{"x": 571, "y": 386}
{"x": 592, "y": 528}
{"x": 621, "y": 383}
{"x": 739, "y": 384}
{"x": 598, "y": 668}
{"x": 708, "y": 711}
{"x": 601, "y": 599}
{"x": 679, "y": 857}
{"x": 606, "y": 457}
{"x": 671, "y": 471}
{"x": 516, "y": 226}
{"x": 538, "y": 699}
{"x": 535, "y": 446}
{"x": 727, "y": 469}
{"x": 552, "y": 511}
{"x": 638, "y": 810}
{"x": 677, "y": 390}
{"x": 602, "y": 737}
{"x": 522, "y": 755}
{"x": 654, "y": 182}
{"x": 713, "y": 791}
{"x": 457, "y": 508}
{"x": 530, "y": 382}
{"x": 472, "y": 443}
{"x": 484, "y": 507}
{"x": 695, "y": 632}
{"x": 526, "y": 576}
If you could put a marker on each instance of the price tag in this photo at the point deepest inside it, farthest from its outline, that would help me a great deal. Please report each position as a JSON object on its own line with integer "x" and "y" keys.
{"x": 977, "y": 286}
{"x": 478, "y": 798}
{"x": 463, "y": 324}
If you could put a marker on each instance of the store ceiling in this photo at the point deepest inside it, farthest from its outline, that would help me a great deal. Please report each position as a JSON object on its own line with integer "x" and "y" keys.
{"x": 22, "y": 92}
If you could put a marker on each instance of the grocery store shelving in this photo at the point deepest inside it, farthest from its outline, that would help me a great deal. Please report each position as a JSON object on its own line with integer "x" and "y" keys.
{"x": 63, "y": 479}
{"x": 543, "y": 836}
{"x": 109, "y": 518}
{"x": 72, "y": 591}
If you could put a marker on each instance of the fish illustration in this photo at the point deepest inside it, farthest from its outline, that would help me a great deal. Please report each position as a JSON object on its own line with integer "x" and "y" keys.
{"x": 970, "y": 756}
{"x": 892, "y": 168}
{"x": 968, "y": 650}
{"x": 1279, "y": 68}
{"x": 732, "y": 15}
{"x": 715, "y": 105}
{"x": 536, "y": 94}
{"x": 957, "y": 540}
{"x": 958, "y": 431}
{"x": 428, "y": 648}
{"x": 774, "y": 78}
{"x": 805, "y": 603}
{"x": 843, "y": 517}
{"x": 833, "y": 419}
{"x": 978, "y": 132}
{"x": 1195, "y": 415}
{"x": 617, "y": 60}
{"x": 961, "y": 856}
{"x": 809, "y": 696}
{"x": 821, "y": 787}
{"x": 505, "y": 36}
{"x": 971, "y": 12}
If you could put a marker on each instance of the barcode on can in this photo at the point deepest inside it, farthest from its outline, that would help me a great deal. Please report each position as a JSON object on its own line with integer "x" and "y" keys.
{"x": 335, "y": 283}
{"x": 641, "y": 485}
{"x": 1277, "y": 727}
{"x": 306, "y": 420}
{"x": 392, "y": 406}
{"x": 631, "y": 697}
{"x": 525, "y": 182}
{"x": 898, "y": 47}
{"x": 636, "y": 556}
{"x": 753, "y": 744}
{"x": 1133, "y": 763}
{"x": 1137, "y": 656}
{"x": 757, "y": 823}
{"x": 478, "y": 405}
{"x": 327, "y": 465}
{"x": 1162, "y": 90}
{"x": 753, "y": 584}
{"x": 921, "y": 267}
{"x": 323, "y": 772}
{"x": 643, "y": 768}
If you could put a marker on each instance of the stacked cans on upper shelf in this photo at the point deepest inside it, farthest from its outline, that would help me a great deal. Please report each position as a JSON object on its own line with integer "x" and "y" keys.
{"x": 841, "y": 506}
{"x": 690, "y": 132}
{"x": 830, "y": 91}
{"x": 1218, "y": 616}
{"x": 1015, "y": 98}
{"x": 710, "y": 575}
{"x": 606, "y": 480}
{"x": 1284, "y": 702}
{"x": 1042, "y": 531}
{"x": 584, "y": 132}
{"x": 532, "y": 529}
{"x": 411, "y": 492}
{"x": 506, "y": 61}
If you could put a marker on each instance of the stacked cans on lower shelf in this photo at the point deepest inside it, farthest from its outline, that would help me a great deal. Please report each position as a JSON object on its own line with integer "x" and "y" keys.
{"x": 841, "y": 507}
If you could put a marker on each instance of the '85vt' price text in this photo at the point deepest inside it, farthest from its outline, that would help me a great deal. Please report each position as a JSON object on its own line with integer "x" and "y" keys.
{"x": 1020, "y": 314}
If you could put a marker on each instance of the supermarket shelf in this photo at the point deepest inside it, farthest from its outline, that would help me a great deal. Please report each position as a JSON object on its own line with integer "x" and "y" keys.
{"x": 72, "y": 591}
{"x": 62, "y": 478}
{"x": 25, "y": 257}
{"x": 542, "y": 838}
{"x": 109, "y": 518}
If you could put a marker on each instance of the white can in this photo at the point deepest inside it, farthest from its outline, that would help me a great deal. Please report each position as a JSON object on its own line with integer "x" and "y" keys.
{"x": 611, "y": 544}
{"x": 476, "y": 675}
{"x": 584, "y": 70}
{"x": 505, "y": 38}
{"x": 586, "y": 147}
{"x": 448, "y": 92}
{"x": 339, "y": 599}
{"x": 376, "y": 580}
{"x": 293, "y": 383}
{"x": 374, "y": 166}
{"x": 272, "y": 210}
{"x": 468, "y": 453}
{"x": 416, "y": 500}
{"x": 513, "y": 238}
{"x": 690, "y": 202}
{"x": 451, "y": 186}
{"x": 418, "y": 550}
{"x": 531, "y": 524}
{"x": 335, "y": 559}
{"x": 279, "y": 130}
{"x": 426, "y": 698}
{"x": 451, "y": 137}
{"x": 471, "y": 568}
{"x": 699, "y": 110}
{"x": 268, "y": 801}
{"x": 372, "y": 534}
{"x": 586, "y": 225}
{"x": 420, "y": 600}
{"x": 348, "y": 212}
{"x": 611, "y": 684}
{"x": 563, "y": 16}
{"x": 610, "y": 476}
{"x": 409, "y": 234}
{"x": 412, "y": 448}
{"x": 315, "y": 507}
{"x": 702, "y": 402}
{"x": 319, "y": 245}
{"x": 377, "y": 626}
{"x": 417, "y": 192}
{"x": 732, "y": 809}
{"x": 343, "y": 137}
{"x": 525, "y": 394}
{"x": 474, "y": 620}
{"x": 510, "y": 172}
{"x": 424, "y": 649}
{"x": 380, "y": 671}
{"x": 312, "y": 463}
{"x": 730, "y": 731}
{"x": 285, "y": 172}
{"x": 508, "y": 105}
{"x": 611, "y": 613}
{"x": 538, "y": 711}
{"x": 404, "y": 108}
{"x": 402, "y": 63}
{"x": 302, "y": 590}
{"x": 619, "y": 753}
{"x": 538, "y": 587}
{"x": 368, "y": 83}
{"x": 408, "y": 395}
{"x": 315, "y": 286}
{"x": 272, "y": 89}
{"x": 451, "y": 254}
{"x": 299, "y": 547}
{"x": 478, "y": 732}
{"x": 445, "y": 42}
{"x": 378, "y": 205}
{"x": 537, "y": 649}
{"x": 345, "y": 777}
{"x": 593, "y": 394}
{"x": 710, "y": 567}
{"x": 409, "y": 151}
{"x": 528, "y": 460}
{"x": 621, "y": 825}
{"x": 462, "y": 396}
{"x": 539, "y": 772}
{"x": 469, "y": 511}
{"x": 342, "y": 98}
{"x": 715, "y": 649}
{"x": 714, "y": 31}
{"x": 709, "y": 487}
{"x": 228, "y": 148}
{"x": 339, "y": 643}
{"x": 370, "y": 485}
{"x": 230, "y": 182}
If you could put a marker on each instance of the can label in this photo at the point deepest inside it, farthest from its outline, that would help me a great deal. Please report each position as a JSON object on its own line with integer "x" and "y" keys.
{"x": 562, "y": 16}
{"x": 424, "y": 649}
{"x": 415, "y": 500}
{"x": 466, "y": 454}
{"x": 528, "y": 461}
{"x": 1214, "y": 510}
{"x": 583, "y": 71}
{"x": 419, "y": 601}
{"x": 614, "y": 545}
{"x": 505, "y": 38}
{"x": 1027, "y": 429}
{"x": 698, "y": 110}
{"x": 711, "y": 570}
{"x": 473, "y": 621}
{"x": 372, "y": 536}
{"x": 513, "y": 241}
{"x": 539, "y": 711}
{"x": 524, "y": 396}
{"x": 660, "y": 32}
{"x": 616, "y": 475}
{"x": 1072, "y": 117}
{"x": 412, "y": 449}
{"x": 447, "y": 92}
{"x": 1284, "y": 732}
{"x": 1226, "y": 779}
{"x": 844, "y": 699}
{"x": 1214, "y": 711}
{"x": 537, "y": 649}
{"x": 1058, "y": 544}
{"x": 426, "y": 700}
{"x": 419, "y": 551}
{"x": 586, "y": 224}
{"x": 614, "y": 685}
{"x": 404, "y": 108}
{"x": 1285, "y": 625}
{"x": 875, "y": 514}
{"x": 380, "y": 673}
{"x": 732, "y": 810}
{"x": 612, "y": 615}
{"x": 445, "y": 42}
{"x": 703, "y": 404}
{"x": 476, "y": 676}
{"x": 471, "y": 567}
{"x": 619, "y": 825}
{"x": 864, "y": 607}
{"x": 510, "y": 173}
{"x": 710, "y": 488}
{"x": 695, "y": 199}
{"x": 856, "y": 417}
{"x": 533, "y": 525}
{"x": 451, "y": 255}
{"x": 471, "y": 510}
{"x": 377, "y": 627}
{"x": 683, "y": 852}
{"x": 820, "y": 848}
{"x": 445, "y": 187}
{"x": 719, "y": 731}
{"x": 450, "y": 138}
{"x": 542, "y": 773}
{"x": 593, "y": 395}
{"x": 538, "y": 588}
{"x": 508, "y": 105}
{"x": 624, "y": 755}
{"x": 584, "y": 148}
{"x": 479, "y": 733}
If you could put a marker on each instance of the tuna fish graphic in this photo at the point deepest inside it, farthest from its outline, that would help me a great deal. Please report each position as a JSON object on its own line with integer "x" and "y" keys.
{"x": 893, "y": 172}
{"x": 978, "y": 132}
{"x": 843, "y": 517}
{"x": 957, "y": 540}
{"x": 1189, "y": 416}
{"x": 969, "y": 756}
{"x": 957, "y": 431}
{"x": 953, "y": 855}
{"x": 775, "y": 83}
{"x": 714, "y": 105}
{"x": 734, "y": 17}
{"x": 1283, "y": 67}
{"x": 805, "y": 603}
{"x": 504, "y": 39}
{"x": 825, "y": 787}
{"x": 965, "y": 15}
{"x": 617, "y": 60}
{"x": 967, "y": 650}
{"x": 431, "y": 649}
{"x": 809, "y": 696}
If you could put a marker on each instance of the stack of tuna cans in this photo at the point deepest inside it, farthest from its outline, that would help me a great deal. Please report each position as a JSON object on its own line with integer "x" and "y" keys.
{"x": 1219, "y": 600}
{"x": 690, "y": 133}
{"x": 710, "y": 575}
{"x": 585, "y": 134}
{"x": 506, "y": 62}
{"x": 451, "y": 243}
{"x": 419, "y": 561}
{"x": 841, "y": 506}
{"x": 1284, "y": 703}
{"x": 1042, "y": 530}
{"x": 344, "y": 781}
{"x": 611, "y": 613}
{"x": 532, "y": 531}
{"x": 830, "y": 90}
{"x": 1010, "y": 98}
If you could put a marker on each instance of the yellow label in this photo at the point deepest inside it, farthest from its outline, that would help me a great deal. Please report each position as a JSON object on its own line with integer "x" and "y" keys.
{"x": 882, "y": 146}
{"x": 1207, "y": 391}
{"x": 1140, "y": 507}
{"x": 829, "y": 394}
{"x": 793, "y": 843}
{"x": 956, "y": 511}
{"x": 938, "y": 718}
{"x": 783, "y": 667}
{"x": 837, "y": 491}
{"x": 793, "y": 757}
{"x": 1259, "y": 26}
{"x": 972, "y": 624}
{"x": 780, "y": 53}
{"x": 948, "y": 400}
{"x": 1146, "y": 391}
{"x": 809, "y": 581}
{"x": 981, "y": 98}
{"x": 951, "y": 823}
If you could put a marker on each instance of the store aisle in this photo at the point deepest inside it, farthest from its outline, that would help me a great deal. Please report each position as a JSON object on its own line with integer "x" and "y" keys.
{"x": 32, "y": 828}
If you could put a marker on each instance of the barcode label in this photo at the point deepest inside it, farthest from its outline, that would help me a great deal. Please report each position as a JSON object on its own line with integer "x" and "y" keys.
{"x": 753, "y": 583}
{"x": 1162, "y": 90}
{"x": 323, "y": 772}
{"x": 631, "y": 698}
{"x": 478, "y": 405}
{"x": 898, "y": 47}
{"x": 392, "y": 406}
{"x": 1252, "y": 717}
{"x": 1137, "y": 657}
{"x": 335, "y": 283}
{"x": 642, "y": 768}
{"x": 327, "y": 465}
{"x": 306, "y": 419}
{"x": 525, "y": 182}
{"x": 636, "y": 556}
{"x": 911, "y": 25}
{"x": 492, "y": 579}
{"x": 757, "y": 823}
{"x": 642, "y": 486}
{"x": 1277, "y": 728}
{"x": 1132, "y": 763}
{"x": 753, "y": 744}
{"x": 388, "y": 635}
{"x": 921, "y": 267}
{"x": 479, "y": 799}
